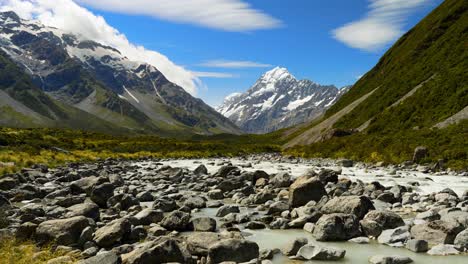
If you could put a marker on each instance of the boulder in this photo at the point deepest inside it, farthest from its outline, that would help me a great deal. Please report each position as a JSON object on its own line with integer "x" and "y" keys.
{"x": 199, "y": 243}
{"x": 227, "y": 209}
{"x": 357, "y": 205}
{"x": 336, "y": 227}
{"x": 280, "y": 180}
{"x": 417, "y": 245}
{"x": 396, "y": 235}
{"x": 85, "y": 185}
{"x": 177, "y": 220}
{"x": 62, "y": 232}
{"x": 7, "y": 183}
{"x": 112, "y": 233}
{"x": 305, "y": 190}
{"x": 158, "y": 252}
{"x": 165, "y": 205}
{"x": 101, "y": 193}
{"x": 88, "y": 209}
{"x": 201, "y": 170}
{"x": 462, "y": 239}
{"x": 216, "y": 194}
{"x": 235, "y": 250}
{"x": 149, "y": 216}
{"x": 102, "y": 258}
{"x": 444, "y": 250}
{"x": 204, "y": 224}
{"x": 316, "y": 252}
{"x": 195, "y": 202}
{"x": 293, "y": 248}
{"x": 419, "y": 154}
{"x": 437, "y": 232}
{"x": 380, "y": 259}
{"x": 378, "y": 220}
{"x": 277, "y": 208}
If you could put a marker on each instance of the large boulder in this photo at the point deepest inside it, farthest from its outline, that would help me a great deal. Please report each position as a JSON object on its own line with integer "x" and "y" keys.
{"x": 378, "y": 220}
{"x": 380, "y": 259}
{"x": 177, "y": 220}
{"x": 62, "y": 232}
{"x": 316, "y": 252}
{"x": 88, "y": 209}
{"x": 157, "y": 252}
{"x": 7, "y": 183}
{"x": 357, "y": 205}
{"x": 198, "y": 243}
{"x": 235, "y": 250}
{"x": 462, "y": 239}
{"x": 281, "y": 180}
{"x": 437, "y": 232}
{"x": 149, "y": 216}
{"x": 165, "y": 205}
{"x": 305, "y": 190}
{"x": 204, "y": 224}
{"x": 113, "y": 233}
{"x": 419, "y": 154}
{"x": 195, "y": 202}
{"x": 393, "y": 236}
{"x": 336, "y": 227}
{"x": 293, "y": 248}
{"x": 227, "y": 209}
{"x": 101, "y": 193}
{"x": 102, "y": 258}
{"x": 85, "y": 185}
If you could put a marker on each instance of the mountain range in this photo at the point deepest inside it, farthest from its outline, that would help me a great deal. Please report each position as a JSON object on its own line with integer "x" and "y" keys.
{"x": 52, "y": 78}
{"x": 278, "y": 100}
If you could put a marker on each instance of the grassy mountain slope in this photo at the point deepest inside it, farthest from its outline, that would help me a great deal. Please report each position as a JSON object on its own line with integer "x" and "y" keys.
{"x": 421, "y": 81}
{"x": 26, "y": 105}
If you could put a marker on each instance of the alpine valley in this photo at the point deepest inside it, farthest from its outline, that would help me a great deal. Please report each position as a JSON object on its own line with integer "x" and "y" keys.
{"x": 278, "y": 100}
{"x": 51, "y": 78}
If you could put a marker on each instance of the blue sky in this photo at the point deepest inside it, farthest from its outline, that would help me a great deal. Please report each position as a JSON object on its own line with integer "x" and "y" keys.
{"x": 327, "y": 41}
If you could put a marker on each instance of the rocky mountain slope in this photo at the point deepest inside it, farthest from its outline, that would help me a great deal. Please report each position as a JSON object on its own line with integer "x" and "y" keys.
{"x": 416, "y": 94}
{"x": 84, "y": 75}
{"x": 278, "y": 100}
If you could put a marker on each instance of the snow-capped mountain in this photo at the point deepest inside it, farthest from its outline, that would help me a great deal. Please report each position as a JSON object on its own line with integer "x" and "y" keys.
{"x": 278, "y": 100}
{"x": 100, "y": 81}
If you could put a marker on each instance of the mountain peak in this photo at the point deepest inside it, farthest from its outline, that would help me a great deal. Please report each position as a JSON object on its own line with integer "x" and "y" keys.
{"x": 9, "y": 14}
{"x": 276, "y": 74}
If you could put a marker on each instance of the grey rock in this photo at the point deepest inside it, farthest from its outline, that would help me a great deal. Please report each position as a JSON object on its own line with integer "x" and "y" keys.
{"x": 380, "y": 259}
{"x": 235, "y": 250}
{"x": 392, "y": 236}
{"x": 293, "y": 248}
{"x": 316, "y": 252}
{"x": 177, "y": 220}
{"x": 304, "y": 190}
{"x": 204, "y": 224}
{"x": 62, "y": 232}
{"x": 88, "y": 209}
{"x": 437, "y": 232}
{"x": 158, "y": 252}
{"x": 419, "y": 154}
{"x": 281, "y": 180}
{"x": 444, "y": 250}
{"x": 101, "y": 193}
{"x": 112, "y": 233}
{"x": 227, "y": 209}
{"x": 462, "y": 239}
{"x": 149, "y": 216}
{"x": 357, "y": 205}
{"x": 337, "y": 227}
{"x": 378, "y": 220}
{"x": 417, "y": 245}
{"x": 102, "y": 258}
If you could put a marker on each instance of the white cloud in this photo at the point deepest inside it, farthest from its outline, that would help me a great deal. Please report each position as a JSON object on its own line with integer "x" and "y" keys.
{"x": 214, "y": 75}
{"x": 382, "y": 24}
{"x": 68, "y": 16}
{"x": 229, "y": 15}
{"x": 234, "y": 64}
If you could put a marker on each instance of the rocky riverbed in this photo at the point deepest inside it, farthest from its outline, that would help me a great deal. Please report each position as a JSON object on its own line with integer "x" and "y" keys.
{"x": 259, "y": 209}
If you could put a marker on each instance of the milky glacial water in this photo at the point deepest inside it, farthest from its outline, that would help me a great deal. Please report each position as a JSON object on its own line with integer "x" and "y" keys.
{"x": 428, "y": 183}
